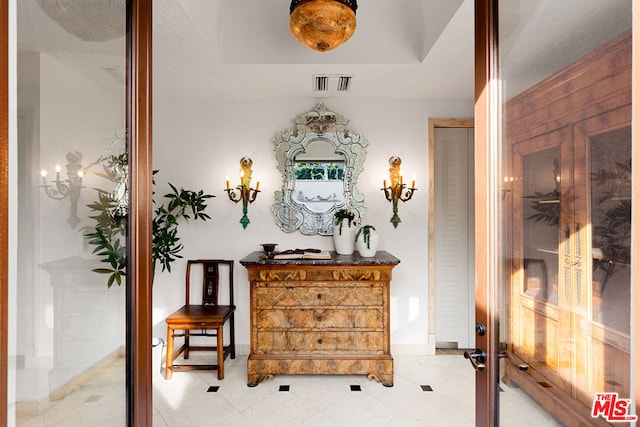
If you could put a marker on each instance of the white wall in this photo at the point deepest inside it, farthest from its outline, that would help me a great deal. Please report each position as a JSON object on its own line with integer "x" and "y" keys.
{"x": 197, "y": 142}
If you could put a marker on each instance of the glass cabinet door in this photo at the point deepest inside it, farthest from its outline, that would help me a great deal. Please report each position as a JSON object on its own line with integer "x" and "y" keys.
{"x": 535, "y": 331}
{"x": 602, "y": 298}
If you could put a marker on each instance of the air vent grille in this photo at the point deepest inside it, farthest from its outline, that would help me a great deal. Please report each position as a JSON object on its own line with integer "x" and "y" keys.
{"x": 321, "y": 83}
{"x": 333, "y": 82}
{"x": 343, "y": 83}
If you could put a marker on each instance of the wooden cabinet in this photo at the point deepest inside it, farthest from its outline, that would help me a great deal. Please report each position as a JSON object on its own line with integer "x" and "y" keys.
{"x": 569, "y": 207}
{"x": 320, "y": 316}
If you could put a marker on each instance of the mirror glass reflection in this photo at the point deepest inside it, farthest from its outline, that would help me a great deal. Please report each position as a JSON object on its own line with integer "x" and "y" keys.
{"x": 319, "y": 177}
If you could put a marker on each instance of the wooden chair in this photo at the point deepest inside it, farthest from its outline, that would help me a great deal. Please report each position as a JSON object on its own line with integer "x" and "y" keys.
{"x": 204, "y": 320}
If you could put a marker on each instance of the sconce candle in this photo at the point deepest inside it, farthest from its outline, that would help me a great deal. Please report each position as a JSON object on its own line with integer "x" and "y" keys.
{"x": 397, "y": 191}
{"x": 244, "y": 191}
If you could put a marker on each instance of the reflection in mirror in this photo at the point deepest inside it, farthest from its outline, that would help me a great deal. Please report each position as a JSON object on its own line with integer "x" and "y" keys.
{"x": 320, "y": 161}
{"x": 319, "y": 177}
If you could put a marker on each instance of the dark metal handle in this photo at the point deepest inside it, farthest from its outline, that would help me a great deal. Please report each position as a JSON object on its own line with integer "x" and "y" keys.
{"x": 478, "y": 359}
{"x": 506, "y": 355}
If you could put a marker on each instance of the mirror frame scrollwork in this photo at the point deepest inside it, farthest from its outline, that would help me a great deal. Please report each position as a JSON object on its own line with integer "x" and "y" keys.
{"x": 318, "y": 124}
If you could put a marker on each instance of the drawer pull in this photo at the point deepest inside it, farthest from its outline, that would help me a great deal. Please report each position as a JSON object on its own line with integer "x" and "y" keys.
{"x": 319, "y": 340}
{"x": 319, "y": 318}
{"x": 319, "y": 296}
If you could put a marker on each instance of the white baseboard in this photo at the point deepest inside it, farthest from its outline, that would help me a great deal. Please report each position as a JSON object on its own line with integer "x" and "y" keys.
{"x": 412, "y": 350}
{"x": 432, "y": 343}
{"x": 243, "y": 349}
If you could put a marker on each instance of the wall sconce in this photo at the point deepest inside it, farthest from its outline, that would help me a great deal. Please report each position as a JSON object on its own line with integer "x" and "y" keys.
{"x": 397, "y": 190}
{"x": 70, "y": 187}
{"x": 244, "y": 191}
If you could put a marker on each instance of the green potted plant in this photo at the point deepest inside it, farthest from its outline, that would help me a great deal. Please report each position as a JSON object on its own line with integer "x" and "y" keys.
{"x": 344, "y": 231}
{"x": 108, "y": 233}
{"x": 367, "y": 240}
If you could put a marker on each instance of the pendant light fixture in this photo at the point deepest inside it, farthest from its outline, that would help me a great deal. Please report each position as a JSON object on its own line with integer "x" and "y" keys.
{"x": 322, "y": 25}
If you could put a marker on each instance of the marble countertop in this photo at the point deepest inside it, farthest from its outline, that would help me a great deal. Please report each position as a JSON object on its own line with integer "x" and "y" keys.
{"x": 381, "y": 258}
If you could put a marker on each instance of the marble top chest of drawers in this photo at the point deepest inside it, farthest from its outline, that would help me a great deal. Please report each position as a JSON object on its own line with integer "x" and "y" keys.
{"x": 320, "y": 316}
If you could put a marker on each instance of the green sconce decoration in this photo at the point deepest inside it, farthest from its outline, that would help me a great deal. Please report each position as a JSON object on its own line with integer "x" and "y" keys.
{"x": 397, "y": 190}
{"x": 244, "y": 191}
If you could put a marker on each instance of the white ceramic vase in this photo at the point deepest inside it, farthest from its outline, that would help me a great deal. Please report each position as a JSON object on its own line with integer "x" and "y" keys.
{"x": 344, "y": 241}
{"x": 370, "y": 250}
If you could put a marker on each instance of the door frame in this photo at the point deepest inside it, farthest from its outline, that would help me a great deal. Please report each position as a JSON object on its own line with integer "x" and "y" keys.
{"x": 487, "y": 97}
{"x": 139, "y": 232}
{"x": 4, "y": 206}
{"x": 431, "y": 243}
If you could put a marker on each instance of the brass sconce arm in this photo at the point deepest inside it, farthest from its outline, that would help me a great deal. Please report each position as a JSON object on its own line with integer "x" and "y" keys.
{"x": 397, "y": 190}
{"x": 244, "y": 192}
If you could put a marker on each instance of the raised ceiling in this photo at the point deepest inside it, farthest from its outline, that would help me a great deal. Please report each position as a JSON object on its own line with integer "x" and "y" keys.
{"x": 402, "y": 49}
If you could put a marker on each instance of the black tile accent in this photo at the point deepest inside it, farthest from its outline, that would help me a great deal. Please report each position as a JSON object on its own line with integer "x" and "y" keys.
{"x": 426, "y": 388}
{"x": 284, "y": 388}
{"x": 500, "y": 389}
{"x": 213, "y": 389}
{"x": 355, "y": 387}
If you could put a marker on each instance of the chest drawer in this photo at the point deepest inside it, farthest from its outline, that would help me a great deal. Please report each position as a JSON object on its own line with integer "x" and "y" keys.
{"x": 274, "y": 318}
{"x": 317, "y": 295}
{"x": 320, "y": 342}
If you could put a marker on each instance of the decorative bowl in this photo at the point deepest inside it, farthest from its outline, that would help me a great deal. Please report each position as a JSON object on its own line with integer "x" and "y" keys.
{"x": 269, "y": 247}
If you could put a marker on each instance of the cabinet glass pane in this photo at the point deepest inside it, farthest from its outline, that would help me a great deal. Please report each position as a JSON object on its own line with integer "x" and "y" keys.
{"x": 610, "y": 155}
{"x": 541, "y": 211}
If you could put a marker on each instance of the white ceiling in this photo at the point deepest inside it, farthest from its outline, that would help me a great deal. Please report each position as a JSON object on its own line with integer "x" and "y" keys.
{"x": 404, "y": 49}
{"x": 401, "y": 49}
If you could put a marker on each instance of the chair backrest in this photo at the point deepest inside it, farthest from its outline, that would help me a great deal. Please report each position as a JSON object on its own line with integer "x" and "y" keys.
{"x": 210, "y": 280}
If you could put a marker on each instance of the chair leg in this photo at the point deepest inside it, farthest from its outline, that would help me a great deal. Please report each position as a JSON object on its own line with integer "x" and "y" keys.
{"x": 186, "y": 343}
{"x": 220, "y": 351}
{"x": 169, "y": 362}
{"x": 232, "y": 332}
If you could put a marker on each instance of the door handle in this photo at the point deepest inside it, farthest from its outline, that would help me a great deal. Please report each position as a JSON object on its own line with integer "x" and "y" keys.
{"x": 478, "y": 358}
{"x": 509, "y": 356}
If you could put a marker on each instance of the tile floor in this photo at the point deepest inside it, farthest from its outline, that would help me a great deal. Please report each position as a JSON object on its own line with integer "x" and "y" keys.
{"x": 428, "y": 391}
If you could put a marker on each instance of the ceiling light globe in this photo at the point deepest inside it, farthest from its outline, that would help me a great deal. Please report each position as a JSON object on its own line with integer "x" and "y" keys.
{"x": 322, "y": 25}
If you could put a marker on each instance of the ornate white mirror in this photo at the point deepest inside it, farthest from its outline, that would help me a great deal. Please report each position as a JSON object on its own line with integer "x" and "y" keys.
{"x": 320, "y": 161}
